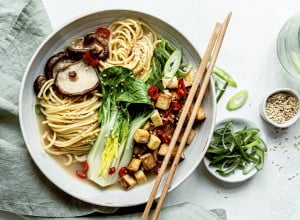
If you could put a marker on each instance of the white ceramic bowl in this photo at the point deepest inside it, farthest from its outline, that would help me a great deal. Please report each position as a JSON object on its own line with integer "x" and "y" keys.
{"x": 115, "y": 196}
{"x": 237, "y": 176}
{"x": 262, "y": 108}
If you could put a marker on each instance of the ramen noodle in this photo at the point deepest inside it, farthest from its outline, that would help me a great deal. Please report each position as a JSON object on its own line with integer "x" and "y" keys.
{"x": 131, "y": 45}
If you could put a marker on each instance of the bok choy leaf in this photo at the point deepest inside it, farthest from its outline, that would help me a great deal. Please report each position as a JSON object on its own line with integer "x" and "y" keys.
{"x": 125, "y": 107}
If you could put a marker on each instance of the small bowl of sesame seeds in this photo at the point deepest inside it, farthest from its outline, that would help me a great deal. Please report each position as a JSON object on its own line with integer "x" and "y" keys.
{"x": 281, "y": 107}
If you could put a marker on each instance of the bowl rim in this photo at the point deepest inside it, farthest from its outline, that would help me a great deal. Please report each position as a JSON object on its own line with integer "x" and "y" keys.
{"x": 21, "y": 104}
{"x": 290, "y": 121}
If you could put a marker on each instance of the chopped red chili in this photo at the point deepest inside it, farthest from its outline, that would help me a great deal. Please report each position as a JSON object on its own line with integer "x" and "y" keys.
{"x": 167, "y": 118}
{"x": 88, "y": 58}
{"x": 112, "y": 170}
{"x": 81, "y": 174}
{"x": 103, "y": 32}
{"x": 181, "y": 90}
{"x": 163, "y": 136}
{"x": 176, "y": 106}
{"x": 153, "y": 93}
{"x": 123, "y": 171}
{"x": 85, "y": 166}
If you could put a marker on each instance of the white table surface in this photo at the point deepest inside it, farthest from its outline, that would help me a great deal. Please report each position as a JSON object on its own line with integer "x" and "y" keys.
{"x": 249, "y": 54}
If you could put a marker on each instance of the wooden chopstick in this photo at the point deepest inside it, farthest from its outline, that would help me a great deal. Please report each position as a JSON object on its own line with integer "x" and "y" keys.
{"x": 192, "y": 118}
{"x": 215, "y": 36}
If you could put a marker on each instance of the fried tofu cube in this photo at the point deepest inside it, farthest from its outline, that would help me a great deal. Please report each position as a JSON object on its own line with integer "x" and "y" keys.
{"x": 141, "y": 136}
{"x": 154, "y": 142}
{"x": 191, "y": 136}
{"x": 170, "y": 83}
{"x": 189, "y": 78}
{"x": 163, "y": 101}
{"x": 175, "y": 96}
{"x": 200, "y": 114}
{"x": 140, "y": 176}
{"x": 148, "y": 161}
{"x": 156, "y": 119}
{"x": 149, "y": 126}
{"x": 134, "y": 164}
{"x": 127, "y": 181}
{"x": 174, "y": 152}
{"x": 163, "y": 150}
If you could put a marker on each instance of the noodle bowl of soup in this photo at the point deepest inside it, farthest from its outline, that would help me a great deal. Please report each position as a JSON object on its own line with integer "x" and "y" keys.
{"x": 68, "y": 135}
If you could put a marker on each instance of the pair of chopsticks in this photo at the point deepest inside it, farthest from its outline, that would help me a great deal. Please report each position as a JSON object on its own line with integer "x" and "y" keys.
{"x": 207, "y": 63}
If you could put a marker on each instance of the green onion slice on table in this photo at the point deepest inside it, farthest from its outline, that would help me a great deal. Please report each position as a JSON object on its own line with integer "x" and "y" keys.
{"x": 237, "y": 100}
{"x": 230, "y": 150}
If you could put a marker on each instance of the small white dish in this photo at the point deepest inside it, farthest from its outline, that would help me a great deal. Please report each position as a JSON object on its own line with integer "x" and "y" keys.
{"x": 237, "y": 176}
{"x": 263, "y": 108}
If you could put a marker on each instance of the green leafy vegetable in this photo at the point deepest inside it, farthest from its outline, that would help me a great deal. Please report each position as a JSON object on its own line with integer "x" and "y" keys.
{"x": 230, "y": 150}
{"x": 37, "y": 109}
{"x": 125, "y": 107}
{"x": 237, "y": 100}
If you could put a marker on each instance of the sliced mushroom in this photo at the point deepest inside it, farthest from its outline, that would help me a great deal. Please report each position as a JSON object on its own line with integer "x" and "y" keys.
{"x": 77, "y": 79}
{"x": 38, "y": 83}
{"x": 52, "y": 61}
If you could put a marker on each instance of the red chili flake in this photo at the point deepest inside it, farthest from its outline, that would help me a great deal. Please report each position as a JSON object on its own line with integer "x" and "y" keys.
{"x": 112, "y": 170}
{"x": 88, "y": 58}
{"x": 163, "y": 136}
{"x": 153, "y": 93}
{"x": 103, "y": 32}
{"x": 181, "y": 90}
{"x": 123, "y": 171}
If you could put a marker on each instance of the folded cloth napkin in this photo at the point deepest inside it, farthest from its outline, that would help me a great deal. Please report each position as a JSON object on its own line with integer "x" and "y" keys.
{"x": 24, "y": 190}
{"x": 181, "y": 211}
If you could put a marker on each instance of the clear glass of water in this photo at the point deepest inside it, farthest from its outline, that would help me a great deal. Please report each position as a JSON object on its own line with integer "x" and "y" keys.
{"x": 288, "y": 46}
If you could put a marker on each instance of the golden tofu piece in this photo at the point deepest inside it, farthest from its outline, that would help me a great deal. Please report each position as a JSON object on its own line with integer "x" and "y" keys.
{"x": 170, "y": 83}
{"x": 140, "y": 176}
{"x": 148, "y": 161}
{"x": 127, "y": 181}
{"x": 141, "y": 136}
{"x": 163, "y": 150}
{"x": 134, "y": 164}
{"x": 189, "y": 78}
{"x": 149, "y": 126}
{"x": 156, "y": 119}
{"x": 174, "y": 152}
{"x": 191, "y": 136}
{"x": 200, "y": 114}
{"x": 154, "y": 142}
{"x": 163, "y": 101}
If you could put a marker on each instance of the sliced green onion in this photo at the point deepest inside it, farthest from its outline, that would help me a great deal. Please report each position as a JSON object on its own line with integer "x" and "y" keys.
{"x": 230, "y": 150}
{"x": 172, "y": 64}
{"x": 184, "y": 69}
{"x": 37, "y": 109}
{"x": 221, "y": 92}
{"x": 237, "y": 100}
{"x": 222, "y": 74}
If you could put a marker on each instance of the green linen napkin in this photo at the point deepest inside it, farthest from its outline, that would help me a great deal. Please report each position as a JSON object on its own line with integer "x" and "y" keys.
{"x": 24, "y": 190}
